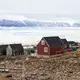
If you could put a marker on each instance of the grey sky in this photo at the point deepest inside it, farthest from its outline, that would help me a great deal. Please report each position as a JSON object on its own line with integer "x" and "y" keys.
{"x": 44, "y": 10}
{"x": 40, "y": 6}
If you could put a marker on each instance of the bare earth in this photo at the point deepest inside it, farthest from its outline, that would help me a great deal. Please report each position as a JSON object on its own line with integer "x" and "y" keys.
{"x": 59, "y": 67}
{"x": 4, "y": 78}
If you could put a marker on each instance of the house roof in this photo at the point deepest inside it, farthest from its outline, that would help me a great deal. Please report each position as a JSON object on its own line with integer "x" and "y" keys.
{"x": 65, "y": 41}
{"x": 73, "y": 43}
{"x": 53, "y": 41}
{"x": 16, "y": 47}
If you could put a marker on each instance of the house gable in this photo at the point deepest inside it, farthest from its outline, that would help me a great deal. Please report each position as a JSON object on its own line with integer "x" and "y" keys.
{"x": 44, "y": 41}
{"x": 43, "y": 47}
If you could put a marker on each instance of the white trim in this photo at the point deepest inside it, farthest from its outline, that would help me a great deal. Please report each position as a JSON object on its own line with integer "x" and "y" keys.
{"x": 47, "y": 44}
{"x": 43, "y": 42}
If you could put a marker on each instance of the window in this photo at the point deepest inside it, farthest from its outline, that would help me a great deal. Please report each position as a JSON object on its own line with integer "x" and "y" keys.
{"x": 42, "y": 42}
{"x": 45, "y": 49}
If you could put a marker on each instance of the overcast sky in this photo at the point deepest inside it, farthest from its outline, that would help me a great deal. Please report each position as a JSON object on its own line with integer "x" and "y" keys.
{"x": 60, "y": 8}
{"x": 40, "y": 6}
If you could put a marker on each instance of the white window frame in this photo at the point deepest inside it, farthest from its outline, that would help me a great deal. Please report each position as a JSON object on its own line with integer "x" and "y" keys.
{"x": 45, "y": 49}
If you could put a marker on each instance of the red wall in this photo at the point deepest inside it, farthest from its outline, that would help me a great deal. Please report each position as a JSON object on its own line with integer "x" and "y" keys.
{"x": 56, "y": 50}
{"x": 51, "y": 50}
{"x": 40, "y": 49}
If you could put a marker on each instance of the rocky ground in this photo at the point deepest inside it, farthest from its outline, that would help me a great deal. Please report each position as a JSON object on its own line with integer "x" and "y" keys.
{"x": 59, "y": 67}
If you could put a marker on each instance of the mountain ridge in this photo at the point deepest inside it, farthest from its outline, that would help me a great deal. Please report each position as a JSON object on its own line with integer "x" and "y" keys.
{"x": 22, "y": 21}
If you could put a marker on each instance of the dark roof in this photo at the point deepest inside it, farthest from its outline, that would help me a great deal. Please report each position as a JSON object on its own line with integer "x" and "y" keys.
{"x": 53, "y": 41}
{"x": 73, "y": 43}
{"x": 16, "y": 47}
{"x": 65, "y": 41}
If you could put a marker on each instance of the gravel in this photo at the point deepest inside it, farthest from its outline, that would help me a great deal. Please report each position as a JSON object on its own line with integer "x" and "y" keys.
{"x": 59, "y": 67}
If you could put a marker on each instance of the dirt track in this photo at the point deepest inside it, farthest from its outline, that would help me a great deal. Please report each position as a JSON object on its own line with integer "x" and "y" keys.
{"x": 59, "y": 67}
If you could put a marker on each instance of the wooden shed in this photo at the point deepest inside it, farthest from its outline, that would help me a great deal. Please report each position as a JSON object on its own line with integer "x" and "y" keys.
{"x": 11, "y": 49}
{"x": 50, "y": 46}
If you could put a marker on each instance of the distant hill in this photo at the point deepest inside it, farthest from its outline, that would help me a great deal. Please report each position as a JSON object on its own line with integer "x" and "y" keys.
{"x": 28, "y": 23}
{"x": 21, "y": 21}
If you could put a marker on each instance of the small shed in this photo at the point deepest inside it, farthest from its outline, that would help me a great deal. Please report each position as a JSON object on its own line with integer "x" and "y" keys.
{"x": 17, "y": 49}
{"x": 50, "y": 46}
{"x": 11, "y": 49}
{"x": 74, "y": 45}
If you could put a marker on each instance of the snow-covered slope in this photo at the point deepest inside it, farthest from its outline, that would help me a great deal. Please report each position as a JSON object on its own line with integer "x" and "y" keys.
{"x": 21, "y": 21}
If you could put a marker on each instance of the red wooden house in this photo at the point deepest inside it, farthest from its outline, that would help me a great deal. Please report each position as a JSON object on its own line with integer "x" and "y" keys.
{"x": 50, "y": 46}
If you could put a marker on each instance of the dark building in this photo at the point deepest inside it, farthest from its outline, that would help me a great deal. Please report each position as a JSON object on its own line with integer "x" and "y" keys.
{"x": 11, "y": 49}
{"x": 50, "y": 46}
{"x": 3, "y": 49}
{"x": 66, "y": 45}
{"x": 74, "y": 45}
